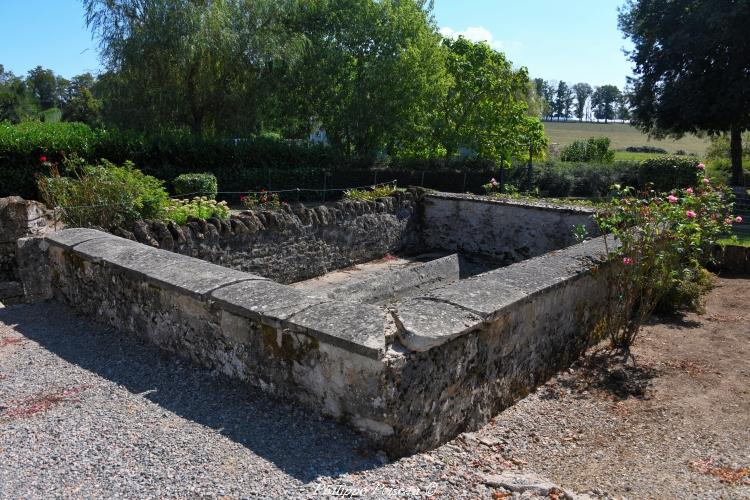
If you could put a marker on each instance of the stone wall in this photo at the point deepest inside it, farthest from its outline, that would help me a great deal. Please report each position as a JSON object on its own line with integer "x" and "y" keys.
{"x": 507, "y": 230}
{"x": 295, "y": 243}
{"x": 19, "y": 220}
{"x": 410, "y": 377}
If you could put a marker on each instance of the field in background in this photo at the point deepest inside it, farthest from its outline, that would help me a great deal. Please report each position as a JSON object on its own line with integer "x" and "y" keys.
{"x": 621, "y": 135}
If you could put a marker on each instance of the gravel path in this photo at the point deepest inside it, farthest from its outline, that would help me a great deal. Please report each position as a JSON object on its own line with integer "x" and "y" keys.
{"x": 88, "y": 412}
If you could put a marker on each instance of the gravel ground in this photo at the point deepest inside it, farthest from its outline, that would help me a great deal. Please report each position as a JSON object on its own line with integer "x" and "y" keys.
{"x": 88, "y": 412}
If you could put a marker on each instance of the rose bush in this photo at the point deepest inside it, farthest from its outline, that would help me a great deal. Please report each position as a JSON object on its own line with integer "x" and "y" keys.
{"x": 663, "y": 240}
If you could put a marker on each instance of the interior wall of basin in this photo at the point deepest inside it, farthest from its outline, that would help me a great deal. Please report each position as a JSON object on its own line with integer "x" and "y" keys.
{"x": 504, "y": 231}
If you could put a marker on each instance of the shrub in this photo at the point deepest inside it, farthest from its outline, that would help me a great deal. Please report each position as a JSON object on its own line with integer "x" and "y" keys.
{"x": 200, "y": 207}
{"x": 664, "y": 241}
{"x": 371, "y": 194}
{"x": 648, "y": 149}
{"x": 594, "y": 149}
{"x": 667, "y": 173}
{"x": 102, "y": 195}
{"x": 196, "y": 184}
{"x": 720, "y": 170}
{"x": 583, "y": 179}
{"x": 264, "y": 200}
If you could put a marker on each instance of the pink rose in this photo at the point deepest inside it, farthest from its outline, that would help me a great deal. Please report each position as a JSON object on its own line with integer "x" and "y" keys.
{"x": 689, "y": 190}
{"x": 691, "y": 214}
{"x": 627, "y": 261}
{"x": 672, "y": 198}
{"x": 738, "y": 219}
{"x": 701, "y": 166}
{"x": 706, "y": 181}
{"x": 493, "y": 182}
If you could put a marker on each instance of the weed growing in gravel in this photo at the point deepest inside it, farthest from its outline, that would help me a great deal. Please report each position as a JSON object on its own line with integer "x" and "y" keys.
{"x": 38, "y": 403}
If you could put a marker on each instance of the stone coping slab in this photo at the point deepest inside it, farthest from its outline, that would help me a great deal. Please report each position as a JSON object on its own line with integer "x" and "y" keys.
{"x": 192, "y": 276}
{"x": 265, "y": 300}
{"x": 443, "y": 314}
{"x": 356, "y": 327}
{"x": 359, "y": 328}
{"x": 426, "y": 323}
{"x": 554, "y": 207}
{"x": 422, "y": 322}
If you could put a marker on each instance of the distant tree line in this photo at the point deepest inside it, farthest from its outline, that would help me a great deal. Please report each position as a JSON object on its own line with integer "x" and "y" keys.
{"x": 43, "y": 95}
{"x": 562, "y": 101}
{"x": 370, "y": 77}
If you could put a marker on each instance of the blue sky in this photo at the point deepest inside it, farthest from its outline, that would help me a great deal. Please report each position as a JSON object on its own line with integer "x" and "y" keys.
{"x": 573, "y": 40}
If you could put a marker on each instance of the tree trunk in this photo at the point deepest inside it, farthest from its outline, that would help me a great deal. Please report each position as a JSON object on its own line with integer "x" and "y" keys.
{"x": 736, "y": 153}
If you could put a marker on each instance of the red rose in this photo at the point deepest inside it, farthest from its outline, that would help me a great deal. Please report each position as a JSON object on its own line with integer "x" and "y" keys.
{"x": 43, "y": 159}
{"x": 242, "y": 198}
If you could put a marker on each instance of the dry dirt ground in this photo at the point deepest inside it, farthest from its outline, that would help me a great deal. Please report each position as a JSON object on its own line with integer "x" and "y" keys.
{"x": 676, "y": 426}
{"x": 86, "y": 412}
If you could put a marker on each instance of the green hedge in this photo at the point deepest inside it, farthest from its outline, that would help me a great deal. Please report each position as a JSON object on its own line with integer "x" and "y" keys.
{"x": 196, "y": 185}
{"x": 562, "y": 179}
{"x": 272, "y": 163}
{"x": 668, "y": 172}
{"x": 239, "y": 164}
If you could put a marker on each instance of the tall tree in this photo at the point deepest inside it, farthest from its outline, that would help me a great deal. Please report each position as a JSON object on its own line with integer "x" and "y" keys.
{"x": 604, "y": 102}
{"x": 542, "y": 90}
{"x": 372, "y": 75}
{"x": 691, "y": 63}
{"x": 16, "y": 101}
{"x": 563, "y": 100}
{"x": 582, "y": 92}
{"x": 481, "y": 110}
{"x": 189, "y": 63}
{"x": 45, "y": 87}
{"x": 80, "y": 104}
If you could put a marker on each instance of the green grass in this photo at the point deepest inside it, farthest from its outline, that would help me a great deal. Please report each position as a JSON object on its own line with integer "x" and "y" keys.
{"x": 621, "y": 136}
{"x": 742, "y": 240}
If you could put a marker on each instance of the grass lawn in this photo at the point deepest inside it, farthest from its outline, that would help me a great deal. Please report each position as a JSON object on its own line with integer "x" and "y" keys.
{"x": 621, "y": 135}
{"x": 743, "y": 240}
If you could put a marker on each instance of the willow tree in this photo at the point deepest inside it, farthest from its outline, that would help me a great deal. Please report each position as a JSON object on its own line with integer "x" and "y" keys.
{"x": 188, "y": 63}
{"x": 692, "y": 61}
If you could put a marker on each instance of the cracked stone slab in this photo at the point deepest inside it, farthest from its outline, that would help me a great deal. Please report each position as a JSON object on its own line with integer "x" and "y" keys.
{"x": 68, "y": 238}
{"x": 172, "y": 270}
{"x": 425, "y": 324}
{"x": 359, "y": 328}
{"x": 484, "y": 295}
{"x": 263, "y": 299}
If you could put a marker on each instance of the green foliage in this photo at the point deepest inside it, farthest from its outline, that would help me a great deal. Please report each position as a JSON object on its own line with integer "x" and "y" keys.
{"x": 372, "y": 193}
{"x": 663, "y": 241}
{"x": 22, "y": 145}
{"x": 563, "y": 100}
{"x": 203, "y": 184}
{"x": 604, "y": 102}
{"x": 480, "y": 111}
{"x": 647, "y": 149}
{"x": 594, "y": 149}
{"x": 200, "y": 207}
{"x": 687, "y": 292}
{"x": 102, "y": 195}
{"x": 582, "y": 92}
{"x": 372, "y": 73}
{"x": 203, "y": 65}
{"x": 668, "y": 172}
{"x": 583, "y": 179}
{"x": 720, "y": 170}
{"x": 264, "y": 200}
{"x": 690, "y": 68}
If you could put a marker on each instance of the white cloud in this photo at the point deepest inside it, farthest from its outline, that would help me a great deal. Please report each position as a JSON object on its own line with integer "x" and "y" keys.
{"x": 479, "y": 34}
